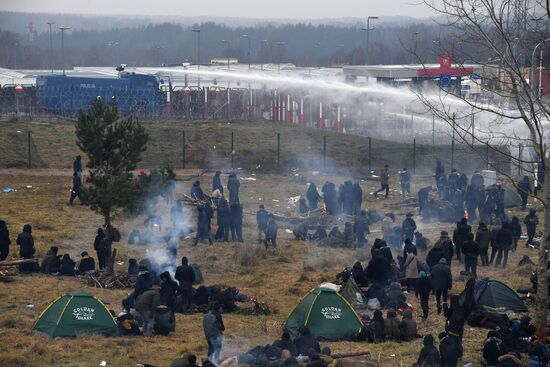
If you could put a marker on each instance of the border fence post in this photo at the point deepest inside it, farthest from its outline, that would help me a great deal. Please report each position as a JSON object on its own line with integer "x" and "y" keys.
{"x": 29, "y": 147}
{"x": 183, "y": 149}
{"x": 232, "y": 150}
{"x": 278, "y": 150}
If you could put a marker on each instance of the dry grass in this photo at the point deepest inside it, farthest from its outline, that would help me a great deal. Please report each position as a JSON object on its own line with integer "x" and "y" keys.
{"x": 280, "y": 277}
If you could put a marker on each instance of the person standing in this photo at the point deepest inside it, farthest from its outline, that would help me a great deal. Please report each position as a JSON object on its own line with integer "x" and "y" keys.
{"x": 504, "y": 242}
{"x": 405, "y": 178}
{"x": 471, "y": 202}
{"x": 213, "y": 328}
{"x": 410, "y": 267}
{"x": 26, "y": 248}
{"x": 236, "y": 223}
{"x": 515, "y": 228}
{"x": 262, "y": 218}
{"x": 357, "y": 198}
{"x": 524, "y": 189}
{"x": 100, "y": 249}
{"x": 77, "y": 165}
{"x": 224, "y": 218}
{"x": 77, "y": 187}
{"x": 483, "y": 239}
{"x": 217, "y": 182}
{"x": 408, "y": 228}
{"x": 531, "y": 221}
{"x": 470, "y": 249}
{"x": 442, "y": 282}
{"x": 4, "y": 240}
{"x": 384, "y": 181}
{"x": 233, "y": 185}
{"x": 203, "y": 226}
{"x": 271, "y": 232}
{"x": 361, "y": 227}
{"x": 185, "y": 275}
{"x": 459, "y": 236}
{"x": 439, "y": 171}
{"x": 146, "y": 305}
{"x": 423, "y": 290}
{"x": 313, "y": 196}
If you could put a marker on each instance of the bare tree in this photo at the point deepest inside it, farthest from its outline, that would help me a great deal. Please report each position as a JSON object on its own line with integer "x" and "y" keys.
{"x": 509, "y": 109}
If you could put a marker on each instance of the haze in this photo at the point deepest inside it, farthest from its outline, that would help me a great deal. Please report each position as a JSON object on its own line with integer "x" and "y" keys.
{"x": 285, "y": 9}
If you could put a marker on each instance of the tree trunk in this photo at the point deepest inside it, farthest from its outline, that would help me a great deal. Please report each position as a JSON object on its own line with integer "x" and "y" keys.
{"x": 542, "y": 272}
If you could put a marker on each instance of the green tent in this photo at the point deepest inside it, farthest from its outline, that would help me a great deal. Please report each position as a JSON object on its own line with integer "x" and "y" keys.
{"x": 352, "y": 293}
{"x": 327, "y": 315}
{"x": 75, "y": 313}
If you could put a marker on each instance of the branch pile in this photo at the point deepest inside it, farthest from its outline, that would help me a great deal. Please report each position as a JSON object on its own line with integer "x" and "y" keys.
{"x": 110, "y": 281}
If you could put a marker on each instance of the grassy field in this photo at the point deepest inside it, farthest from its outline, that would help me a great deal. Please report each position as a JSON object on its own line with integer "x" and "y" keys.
{"x": 208, "y": 146}
{"x": 279, "y": 277}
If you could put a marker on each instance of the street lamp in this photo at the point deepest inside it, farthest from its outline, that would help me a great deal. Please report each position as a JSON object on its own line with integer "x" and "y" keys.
{"x": 533, "y": 62}
{"x": 228, "y": 58}
{"x": 63, "y": 29}
{"x": 51, "y": 44}
{"x": 248, "y": 38}
{"x": 368, "y": 29}
{"x": 265, "y": 43}
{"x": 198, "y": 32}
{"x": 279, "y": 44}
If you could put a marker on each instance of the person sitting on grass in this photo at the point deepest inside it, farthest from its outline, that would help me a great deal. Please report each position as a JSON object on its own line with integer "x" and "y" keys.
{"x": 429, "y": 355}
{"x": 67, "y": 266}
{"x": 408, "y": 326}
{"x": 51, "y": 263}
{"x": 87, "y": 263}
{"x": 391, "y": 325}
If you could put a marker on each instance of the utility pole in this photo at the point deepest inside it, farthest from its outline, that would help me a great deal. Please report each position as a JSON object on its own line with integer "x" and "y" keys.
{"x": 198, "y": 32}
{"x": 248, "y": 38}
{"x": 368, "y": 29}
{"x": 228, "y": 57}
{"x": 51, "y": 45}
{"x": 63, "y": 29}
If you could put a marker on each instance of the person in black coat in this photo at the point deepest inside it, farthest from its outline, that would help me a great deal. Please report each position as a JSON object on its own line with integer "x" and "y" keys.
{"x": 196, "y": 191}
{"x": 493, "y": 348}
{"x": 377, "y": 326}
{"x": 429, "y": 355}
{"x": 504, "y": 243}
{"x": 359, "y": 275}
{"x": 524, "y": 189}
{"x": 435, "y": 254}
{"x": 203, "y": 225}
{"x": 236, "y": 222}
{"x": 330, "y": 198}
{"x": 77, "y": 188}
{"x": 423, "y": 290}
{"x": 302, "y": 206}
{"x": 454, "y": 324}
{"x": 396, "y": 298}
{"x": 233, "y": 186}
{"x": 378, "y": 268}
{"x": 442, "y": 282}
{"x": 262, "y": 217}
{"x": 77, "y": 164}
{"x": 313, "y": 196}
{"x": 448, "y": 351}
{"x": 471, "y": 203}
{"x": 421, "y": 242}
{"x": 306, "y": 341}
{"x": 286, "y": 343}
{"x": 26, "y": 248}
{"x": 357, "y": 198}
{"x": 361, "y": 227}
{"x": 168, "y": 290}
{"x": 515, "y": 228}
{"x": 271, "y": 232}
{"x": 439, "y": 171}
{"x": 224, "y": 219}
{"x": 185, "y": 275}
{"x": 408, "y": 228}
{"x": 459, "y": 236}
{"x": 470, "y": 249}
{"x": 531, "y": 221}
{"x": 423, "y": 195}
{"x": 4, "y": 240}
{"x": 67, "y": 265}
{"x": 217, "y": 182}
{"x": 133, "y": 268}
{"x": 100, "y": 248}
{"x": 86, "y": 264}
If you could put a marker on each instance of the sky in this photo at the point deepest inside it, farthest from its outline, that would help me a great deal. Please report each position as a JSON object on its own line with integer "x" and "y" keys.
{"x": 287, "y": 9}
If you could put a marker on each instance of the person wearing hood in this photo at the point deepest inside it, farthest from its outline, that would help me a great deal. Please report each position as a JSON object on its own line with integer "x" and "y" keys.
{"x": 100, "y": 248}
{"x": 51, "y": 263}
{"x": 25, "y": 241}
{"x": 86, "y": 264}
{"x": 330, "y": 198}
{"x": 203, "y": 230}
{"x": 236, "y": 222}
{"x": 4, "y": 240}
{"x": 405, "y": 179}
{"x": 217, "y": 182}
{"x": 313, "y": 196}
{"x": 408, "y": 327}
{"x": 302, "y": 206}
{"x": 448, "y": 350}
{"x": 185, "y": 275}
{"x": 396, "y": 298}
{"x": 423, "y": 290}
{"x": 421, "y": 242}
{"x": 168, "y": 290}
{"x": 377, "y": 326}
{"x": 470, "y": 249}
{"x": 454, "y": 322}
{"x": 144, "y": 282}
{"x": 435, "y": 254}
{"x": 361, "y": 227}
{"x": 359, "y": 275}
{"x": 524, "y": 189}
{"x": 133, "y": 268}
{"x": 357, "y": 198}
{"x": 233, "y": 185}
{"x": 442, "y": 282}
{"x": 391, "y": 325}
{"x": 429, "y": 355}
{"x": 459, "y": 236}
{"x": 483, "y": 239}
{"x": 410, "y": 266}
{"x": 165, "y": 320}
{"x": 493, "y": 348}
{"x": 408, "y": 227}
{"x": 223, "y": 215}
{"x": 271, "y": 232}
{"x": 378, "y": 268}
{"x": 531, "y": 221}
{"x": 146, "y": 305}
{"x": 504, "y": 242}
{"x": 348, "y": 235}
{"x": 196, "y": 191}
{"x": 67, "y": 266}
{"x": 515, "y": 228}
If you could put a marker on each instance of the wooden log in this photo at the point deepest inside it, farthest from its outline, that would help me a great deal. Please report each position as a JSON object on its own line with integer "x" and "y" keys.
{"x": 350, "y": 354}
{"x": 17, "y": 262}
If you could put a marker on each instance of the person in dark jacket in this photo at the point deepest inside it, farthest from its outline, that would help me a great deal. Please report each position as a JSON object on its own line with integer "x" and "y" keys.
{"x": 448, "y": 351}
{"x": 165, "y": 320}
{"x": 302, "y": 206}
{"x": 359, "y": 275}
{"x": 67, "y": 265}
{"x": 460, "y": 235}
{"x": 493, "y": 348}
{"x": 531, "y": 221}
{"x": 377, "y": 326}
{"x": 408, "y": 327}
{"x": 515, "y": 228}
{"x": 391, "y": 325}
{"x": 423, "y": 195}
{"x": 100, "y": 248}
{"x": 470, "y": 249}
{"x": 357, "y": 198}
{"x": 133, "y": 268}
{"x": 447, "y": 245}
{"x": 405, "y": 179}
{"x": 396, "y": 298}
{"x": 330, "y": 198}
{"x": 439, "y": 171}
{"x": 146, "y": 305}
{"x": 348, "y": 235}
{"x": 4, "y": 240}
{"x": 300, "y": 231}
{"x": 408, "y": 228}
{"x": 271, "y": 232}
{"x": 262, "y": 218}
{"x": 429, "y": 355}
{"x": 77, "y": 188}
{"x": 504, "y": 242}
{"x": 223, "y": 214}
{"x": 477, "y": 181}
{"x": 378, "y": 268}
{"x": 320, "y": 233}
{"x": 185, "y": 275}
{"x": 168, "y": 290}
{"x": 361, "y": 227}
{"x": 196, "y": 191}
{"x": 454, "y": 324}
{"x": 483, "y": 239}
{"x": 25, "y": 241}
{"x": 421, "y": 242}
{"x": 144, "y": 282}
{"x": 313, "y": 196}
{"x": 435, "y": 254}
{"x": 524, "y": 189}
{"x": 306, "y": 341}
{"x": 442, "y": 282}
{"x": 233, "y": 185}
{"x": 236, "y": 222}
{"x": 217, "y": 182}
{"x": 511, "y": 359}
{"x": 499, "y": 201}
{"x": 77, "y": 164}
{"x": 286, "y": 343}
{"x": 87, "y": 263}
{"x": 423, "y": 290}
{"x": 335, "y": 233}
{"x": 203, "y": 230}
{"x": 384, "y": 181}
{"x": 471, "y": 203}
{"x": 51, "y": 263}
